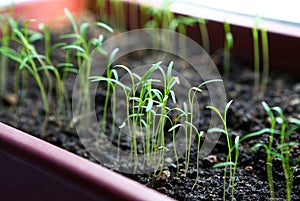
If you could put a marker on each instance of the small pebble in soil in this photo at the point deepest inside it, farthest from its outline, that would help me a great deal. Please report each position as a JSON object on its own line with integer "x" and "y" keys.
{"x": 10, "y": 99}
{"x": 165, "y": 175}
{"x": 210, "y": 160}
{"x": 249, "y": 168}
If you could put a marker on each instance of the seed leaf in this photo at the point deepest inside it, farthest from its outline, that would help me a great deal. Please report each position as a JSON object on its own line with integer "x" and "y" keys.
{"x": 223, "y": 164}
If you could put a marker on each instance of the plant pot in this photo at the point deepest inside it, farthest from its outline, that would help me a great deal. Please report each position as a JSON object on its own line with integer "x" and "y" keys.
{"x": 284, "y": 37}
{"x": 56, "y": 174}
{"x": 32, "y": 169}
{"x": 48, "y": 12}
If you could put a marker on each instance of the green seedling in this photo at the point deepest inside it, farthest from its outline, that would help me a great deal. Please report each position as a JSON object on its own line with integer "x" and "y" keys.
{"x": 60, "y": 72}
{"x": 265, "y": 49}
{"x": 260, "y": 85}
{"x": 228, "y": 45}
{"x": 4, "y": 41}
{"x": 84, "y": 49}
{"x": 256, "y": 58}
{"x": 282, "y": 151}
{"x": 119, "y": 9}
{"x": 141, "y": 99}
{"x": 27, "y": 57}
{"x": 204, "y": 34}
{"x": 188, "y": 123}
{"x": 30, "y": 61}
{"x": 147, "y": 112}
{"x": 102, "y": 6}
{"x": 231, "y": 147}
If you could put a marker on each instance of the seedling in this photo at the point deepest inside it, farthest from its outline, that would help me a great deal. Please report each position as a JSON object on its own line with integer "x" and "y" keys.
{"x": 228, "y": 44}
{"x": 4, "y": 41}
{"x": 231, "y": 147}
{"x": 147, "y": 112}
{"x": 204, "y": 34}
{"x": 260, "y": 85}
{"x": 58, "y": 71}
{"x": 282, "y": 151}
{"x": 84, "y": 49}
{"x": 256, "y": 57}
{"x": 265, "y": 49}
{"x": 27, "y": 56}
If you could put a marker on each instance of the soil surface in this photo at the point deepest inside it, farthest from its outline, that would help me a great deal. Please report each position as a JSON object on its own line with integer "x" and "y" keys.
{"x": 24, "y": 111}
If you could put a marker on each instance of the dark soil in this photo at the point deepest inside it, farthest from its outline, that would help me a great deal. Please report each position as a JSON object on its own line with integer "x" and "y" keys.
{"x": 25, "y": 112}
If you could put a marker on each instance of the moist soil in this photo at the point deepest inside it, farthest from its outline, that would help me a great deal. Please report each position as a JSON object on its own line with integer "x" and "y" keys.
{"x": 24, "y": 110}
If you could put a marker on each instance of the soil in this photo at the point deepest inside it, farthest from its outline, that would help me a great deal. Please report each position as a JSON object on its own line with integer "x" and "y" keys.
{"x": 25, "y": 112}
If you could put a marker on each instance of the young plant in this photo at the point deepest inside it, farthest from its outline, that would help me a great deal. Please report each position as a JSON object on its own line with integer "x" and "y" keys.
{"x": 147, "y": 113}
{"x": 188, "y": 124}
{"x": 265, "y": 52}
{"x": 84, "y": 48}
{"x": 256, "y": 58}
{"x": 199, "y": 135}
{"x": 231, "y": 147}
{"x": 60, "y": 72}
{"x": 204, "y": 34}
{"x": 228, "y": 44}
{"x": 28, "y": 58}
{"x": 4, "y": 41}
{"x": 282, "y": 151}
{"x": 140, "y": 100}
{"x": 102, "y": 6}
{"x": 190, "y": 118}
{"x": 118, "y": 7}
{"x": 260, "y": 85}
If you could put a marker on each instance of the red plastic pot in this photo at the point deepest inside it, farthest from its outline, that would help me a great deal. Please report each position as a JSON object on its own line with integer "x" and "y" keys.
{"x": 284, "y": 38}
{"x": 32, "y": 169}
{"x": 48, "y": 12}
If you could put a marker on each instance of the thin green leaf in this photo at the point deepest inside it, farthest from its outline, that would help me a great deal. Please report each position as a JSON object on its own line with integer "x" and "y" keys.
{"x": 47, "y": 67}
{"x": 122, "y": 125}
{"x": 217, "y": 130}
{"x": 105, "y": 26}
{"x": 115, "y": 73}
{"x": 73, "y": 47}
{"x": 226, "y": 109}
{"x": 279, "y": 111}
{"x": 112, "y": 56}
{"x": 260, "y": 132}
{"x": 196, "y": 89}
{"x": 174, "y": 82}
{"x": 72, "y": 35}
{"x": 294, "y": 121}
{"x": 236, "y": 142}
{"x": 82, "y": 29}
{"x": 72, "y": 20}
{"x": 216, "y": 111}
{"x": 71, "y": 70}
{"x": 259, "y": 145}
{"x": 173, "y": 96}
{"x": 65, "y": 65}
{"x": 101, "y": 78}
{"x": 170, "y": 68}
{"x": 223, "y": 164}
{"x": 174, "y": 127}
{"x": 35, "y": 37}
{"x": 209, "y": 81}
{"x": 149, "y": 105}
{"x": 267, "y": 109}
{"x": 157, "y": 94}
{"x": 288, "y": 144}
